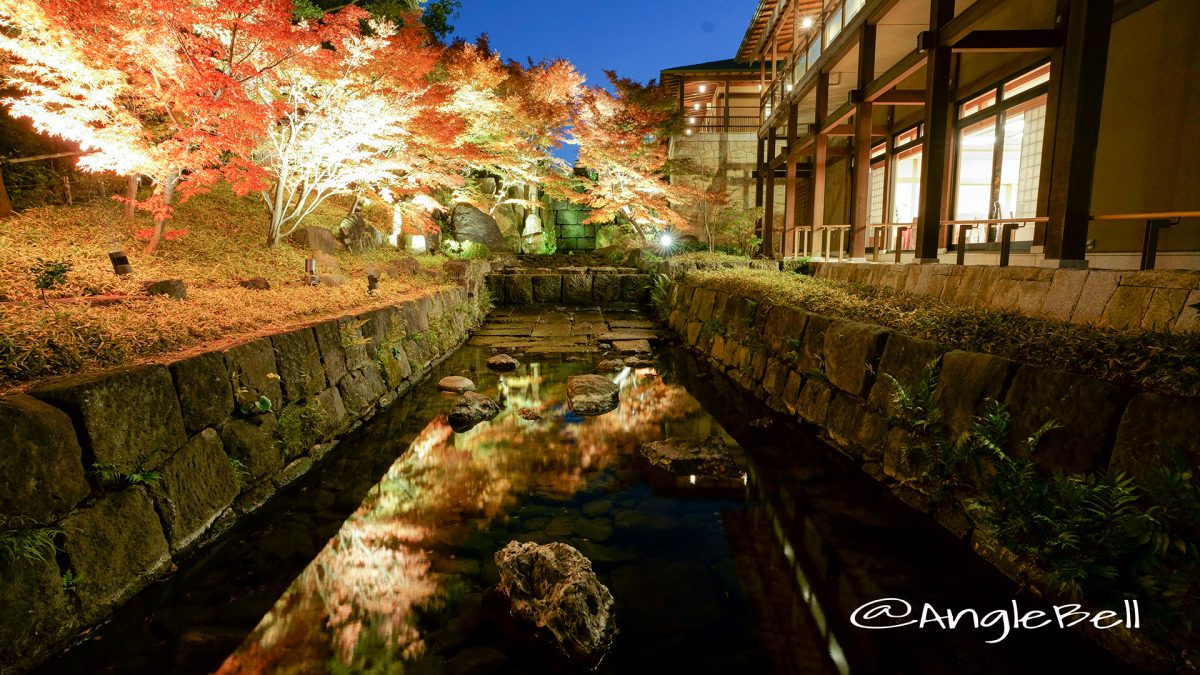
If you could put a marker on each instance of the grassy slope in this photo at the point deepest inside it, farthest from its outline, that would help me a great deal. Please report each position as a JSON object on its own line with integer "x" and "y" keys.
{"x": 1155, "y": 361}
{"x": 224, "y": 244}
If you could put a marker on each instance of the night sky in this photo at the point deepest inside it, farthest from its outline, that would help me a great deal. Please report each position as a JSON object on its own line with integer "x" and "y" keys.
{"x": 636, "y": 38}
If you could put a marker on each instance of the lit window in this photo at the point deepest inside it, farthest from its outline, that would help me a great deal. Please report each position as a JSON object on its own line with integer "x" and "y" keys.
{"x": 1034, "y": 78}
{"x": 981, "y": 102}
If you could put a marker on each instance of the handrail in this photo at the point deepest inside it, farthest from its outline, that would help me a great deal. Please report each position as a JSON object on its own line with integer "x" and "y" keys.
{"x": 1148, "y": 216}
{"x": 997, "y": 221}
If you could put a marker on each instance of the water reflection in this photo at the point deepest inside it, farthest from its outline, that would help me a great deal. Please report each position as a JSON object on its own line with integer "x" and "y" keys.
{"x": 399, "y": 556}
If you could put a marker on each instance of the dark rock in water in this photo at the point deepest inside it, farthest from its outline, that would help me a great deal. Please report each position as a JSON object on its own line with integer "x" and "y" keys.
{"x": 173, "y": 288}
{"x": 763, "y": 423}
{"x": 477, "y": 660}
{"x": 709, "y": 458}
{"x": 502, "y": 362}
{"x": 256, "y": 284}
{"x": 470, "y": 224}
{"x": 529, "y": 414}
{"x": 471, "y": 409}
{"x": 610, "y": 366}
{"x": 592, "y": 394}
{"x": 456, "y": 383}
{"x": 554, "y": 587}
{"x": 640, "y": 362}
{"x": 315, "y": 239}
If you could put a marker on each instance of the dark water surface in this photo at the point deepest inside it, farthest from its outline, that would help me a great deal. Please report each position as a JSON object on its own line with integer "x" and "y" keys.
{"x": 380, "y": 559}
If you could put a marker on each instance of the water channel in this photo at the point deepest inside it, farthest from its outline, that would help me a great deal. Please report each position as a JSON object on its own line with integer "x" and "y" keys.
{"x": 380, "y": 559}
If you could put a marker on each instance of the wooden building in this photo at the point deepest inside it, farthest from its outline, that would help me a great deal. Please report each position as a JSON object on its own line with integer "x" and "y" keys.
{"x": 1055, "y": 133}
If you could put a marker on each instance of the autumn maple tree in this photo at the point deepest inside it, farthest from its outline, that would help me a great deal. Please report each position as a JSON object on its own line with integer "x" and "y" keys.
{"x": 515, "y": 116}
{"x": 158, "y": 87}
{"x": 358, "y": 115}
{"x": 621, "y": 138}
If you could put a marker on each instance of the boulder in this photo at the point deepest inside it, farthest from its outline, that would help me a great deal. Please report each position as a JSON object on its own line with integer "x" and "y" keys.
{"x": 592, "y": 394}
{"x": 405, "y": 266}
{"x": 36, "y": 614}
{"x": 470, "y": 224}
{"x": 41, "y": 467}
{"x": 357, "y": 236}
{"x": 503, "y": 362}
{"x": 332, "y": 280}
{"x": 456, "y": 383}
{"x": 471, "y": 409}
{"x": 315, "y": 239}
{"x": 553, "y": 586}
{"x": 529, "y": 414}
{"x": 255, "y": 284}
{"x": 684, "y": 456}
{"x": 172, "y": 288}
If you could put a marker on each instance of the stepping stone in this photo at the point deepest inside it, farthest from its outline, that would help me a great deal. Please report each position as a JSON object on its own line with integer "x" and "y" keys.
{"x": 708, "y": 458}
{"x": 552, "y": 330}
{"x": 516, "y": 329}
{"x": 643, "y": 324}
{"x": 610, "y": 366}
{"x": 502, "y": 362}
{"x": 627, "y": 347}
{"x": 583, "y": 329}
{"x": 627, "y": 335}
{"x": 456, "y": 383}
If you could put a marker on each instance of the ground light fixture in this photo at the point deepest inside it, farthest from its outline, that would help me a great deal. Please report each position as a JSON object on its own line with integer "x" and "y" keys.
{"x": 666, "y": 242}
{"x": 372, "y": 282}
{"x": 120, "y": 262}
{"x": 310, "y": 271}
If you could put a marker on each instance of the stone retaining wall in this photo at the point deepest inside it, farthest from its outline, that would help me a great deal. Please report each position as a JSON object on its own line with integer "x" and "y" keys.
{"x": 192, "y": 422}
{"x": 829, "y": 373}
{"x": 572, "y": 286}
{"x": 1152, "y": 299}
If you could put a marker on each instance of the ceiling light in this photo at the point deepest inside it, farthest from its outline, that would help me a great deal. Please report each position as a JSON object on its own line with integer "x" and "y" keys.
{"x": 703, "y": 88}
{"x": 807, "y": 22}
{"x": 696, "y": 106}
{"x": 691, "y": 120}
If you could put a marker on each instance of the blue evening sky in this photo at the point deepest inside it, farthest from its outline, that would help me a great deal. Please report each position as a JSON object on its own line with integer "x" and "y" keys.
{"x": 636, "y": 38}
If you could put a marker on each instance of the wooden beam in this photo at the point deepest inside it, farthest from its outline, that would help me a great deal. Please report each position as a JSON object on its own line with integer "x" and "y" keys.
{"x": 958, "y": 27}
{"x": 900, "y": 97}
{"x": 1077, "y": 129}
{"x": 895, "y": 75}
{"x": 838, "y": 117}
{"x": 860, "y": 174}
{"x": 934, "y": 154}
{"x": 1005, "y": 41}
{"x": 850, "y": 130}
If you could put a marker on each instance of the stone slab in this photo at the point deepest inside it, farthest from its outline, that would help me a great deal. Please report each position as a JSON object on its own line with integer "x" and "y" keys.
{"x": 116, "y": 547}
{"x": 41, "y": 463}
{"x": 197, "y": 484}
{"x": 129, "y": 416}
{"x": 204, "y": 391}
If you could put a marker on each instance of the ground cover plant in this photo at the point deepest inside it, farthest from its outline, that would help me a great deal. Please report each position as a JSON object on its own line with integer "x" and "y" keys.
{"x": 1148, "y": 360}
{"x": 222, "y": 246}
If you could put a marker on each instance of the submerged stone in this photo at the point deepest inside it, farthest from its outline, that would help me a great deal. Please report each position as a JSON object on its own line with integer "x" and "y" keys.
{"x": 610, "y": 366}
{"x": 456, "y": 384}
{"x": 592, "y": 394}
{"x": 554, "y": 587}
{"x": 471, "y": 409}
{"x": 709, "y": 458}
{"x": 502, "y": 362}
{"x": 529, "y": 414}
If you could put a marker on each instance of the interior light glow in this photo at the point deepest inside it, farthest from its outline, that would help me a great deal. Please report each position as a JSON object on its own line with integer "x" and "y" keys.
{"x": 807, "y": 22}
{"x": 703, "y": 88}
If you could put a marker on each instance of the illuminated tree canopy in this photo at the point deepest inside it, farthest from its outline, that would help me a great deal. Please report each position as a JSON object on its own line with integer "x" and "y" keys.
{"x": 300, "y": 101}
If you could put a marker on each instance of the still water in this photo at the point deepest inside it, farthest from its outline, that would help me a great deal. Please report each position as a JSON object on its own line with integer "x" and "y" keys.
{"x": 380, "y": 559}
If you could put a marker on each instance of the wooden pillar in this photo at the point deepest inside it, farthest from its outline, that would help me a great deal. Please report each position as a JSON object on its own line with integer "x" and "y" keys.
{"x": 889, "y": 151}
{"x": 861, "y": 176}
{"x": 789, "y": 196}
{"x": 768, "y": 228}
{"x": 759, "y": 186}
{"x": 725, "y": 107}
{"x": 820, "y": 152}
{"x": 1076, "y": 130}
{"x": 934, "y": 155}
